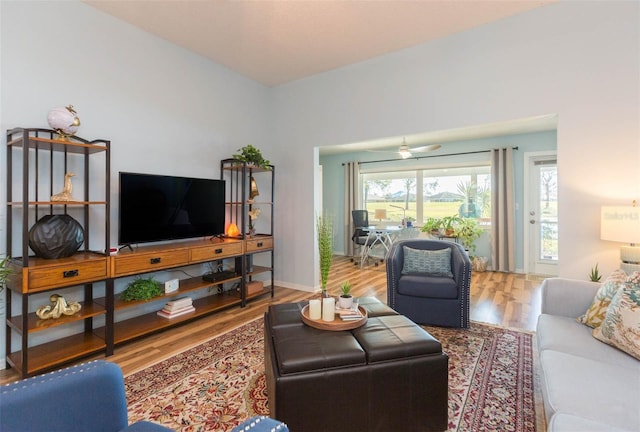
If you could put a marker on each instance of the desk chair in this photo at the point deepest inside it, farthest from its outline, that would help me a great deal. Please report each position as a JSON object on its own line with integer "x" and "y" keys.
{"x": 360, "y": 232}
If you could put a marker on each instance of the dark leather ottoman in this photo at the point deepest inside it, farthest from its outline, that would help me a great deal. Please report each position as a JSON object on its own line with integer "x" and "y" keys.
{"x": 388, "y": 375}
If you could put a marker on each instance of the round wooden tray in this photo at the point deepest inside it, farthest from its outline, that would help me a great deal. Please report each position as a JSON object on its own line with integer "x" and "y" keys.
{"x": 335, "y": 325}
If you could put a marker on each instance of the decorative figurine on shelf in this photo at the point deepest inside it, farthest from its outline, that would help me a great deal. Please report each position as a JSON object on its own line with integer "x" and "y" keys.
{"x": 64, "y": 121}
{"x": 253, "y": 189}
{"x": 58, "y": 308}
{"x": 65, "y": 195}
{"x": 253, "y": 215}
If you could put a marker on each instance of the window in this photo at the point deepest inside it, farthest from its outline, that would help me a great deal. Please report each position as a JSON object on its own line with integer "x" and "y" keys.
{"x": 423, "y": 193}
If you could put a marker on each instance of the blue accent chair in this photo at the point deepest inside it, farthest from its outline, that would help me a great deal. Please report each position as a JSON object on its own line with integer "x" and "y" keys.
{"x": 261, "y": 424}
{"x": 86, "y": 397}
{"x": 430, "y": 299}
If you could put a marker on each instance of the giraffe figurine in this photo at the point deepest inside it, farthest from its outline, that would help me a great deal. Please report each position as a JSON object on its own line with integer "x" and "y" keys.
{"x": 65, "y": 195}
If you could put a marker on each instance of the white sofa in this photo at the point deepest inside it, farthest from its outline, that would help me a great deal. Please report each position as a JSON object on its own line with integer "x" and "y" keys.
{"x": 587, "y": 385}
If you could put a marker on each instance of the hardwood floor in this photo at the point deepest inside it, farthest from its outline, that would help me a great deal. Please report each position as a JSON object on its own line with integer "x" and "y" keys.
{"x": 505, "y": 299}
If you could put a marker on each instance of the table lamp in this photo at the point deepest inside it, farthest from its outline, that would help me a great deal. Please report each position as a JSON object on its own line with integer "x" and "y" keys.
{"x": 622, "y": 224}
{"x": 380, "y": 214}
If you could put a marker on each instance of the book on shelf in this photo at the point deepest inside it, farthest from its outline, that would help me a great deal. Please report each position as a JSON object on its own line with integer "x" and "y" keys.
{"x": 164, "y": 314}
{"x": 179, "y": 303}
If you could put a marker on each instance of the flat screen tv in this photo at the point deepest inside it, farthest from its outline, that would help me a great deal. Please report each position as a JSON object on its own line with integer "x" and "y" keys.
{"x": 157, "y": 207}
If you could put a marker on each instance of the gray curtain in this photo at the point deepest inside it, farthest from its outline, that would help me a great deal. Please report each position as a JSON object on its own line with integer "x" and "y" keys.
{"x": 502, "y": 211}
{"x": 351, "y": 202}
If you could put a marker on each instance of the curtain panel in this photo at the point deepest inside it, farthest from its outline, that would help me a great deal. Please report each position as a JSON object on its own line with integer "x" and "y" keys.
{"x": 502, "y": 211}
{"x": 351, "y": 202}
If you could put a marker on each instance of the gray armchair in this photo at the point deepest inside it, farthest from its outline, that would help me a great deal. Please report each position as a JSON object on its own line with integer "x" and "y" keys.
{"x": 425, "y": 295}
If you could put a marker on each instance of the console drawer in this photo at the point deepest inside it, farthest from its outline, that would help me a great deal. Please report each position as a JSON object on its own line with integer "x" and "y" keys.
{"x": 44, "y": 279}
{"x": 149, "y": 261}
{"x": 211, "y": 252}
{"x": 259, "y": 244}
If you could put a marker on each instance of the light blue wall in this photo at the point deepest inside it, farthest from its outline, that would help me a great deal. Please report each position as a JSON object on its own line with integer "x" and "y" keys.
{"x": 333, "y": 176}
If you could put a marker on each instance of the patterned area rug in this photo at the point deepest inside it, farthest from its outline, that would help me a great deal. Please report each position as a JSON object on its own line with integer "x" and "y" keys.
{"x": 218, "y": 384}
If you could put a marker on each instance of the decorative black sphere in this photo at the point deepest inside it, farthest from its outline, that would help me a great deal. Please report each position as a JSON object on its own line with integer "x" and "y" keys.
{"x": 56, "y": 236}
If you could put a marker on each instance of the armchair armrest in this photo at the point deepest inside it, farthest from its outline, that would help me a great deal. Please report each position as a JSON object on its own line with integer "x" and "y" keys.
{"x": 460, "y": 265}
{"x": 567, "y": 297}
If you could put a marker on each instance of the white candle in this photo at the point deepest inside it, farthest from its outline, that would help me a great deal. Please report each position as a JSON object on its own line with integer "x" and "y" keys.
{"x": 328, "y": 309}
{"x": 315, "y": 309}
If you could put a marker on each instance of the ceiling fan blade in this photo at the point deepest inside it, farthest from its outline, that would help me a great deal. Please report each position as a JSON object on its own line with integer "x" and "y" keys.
{"x": 426, "y": 148}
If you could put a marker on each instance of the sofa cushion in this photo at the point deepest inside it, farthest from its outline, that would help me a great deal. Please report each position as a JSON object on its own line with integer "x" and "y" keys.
{"x": 564, "y": 334}
{"x": 591, "y": 389}
{"x": 621, "y": 325}
{"x": 431, "y": 262}
{"x": 427, "y": 286}
{"x": 595, "y": 314}
{"x": 570, "y": 423}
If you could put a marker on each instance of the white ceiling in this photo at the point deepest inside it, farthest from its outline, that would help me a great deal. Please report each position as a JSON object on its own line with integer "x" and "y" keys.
{"x": 274, "y": 42}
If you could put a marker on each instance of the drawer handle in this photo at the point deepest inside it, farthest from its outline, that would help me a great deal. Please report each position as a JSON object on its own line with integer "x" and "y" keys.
{"x": 155, "y": 260}
{"x": 218, "y": 251}
{"x": 70, "y": 273}
{"x": 259, "y": 244}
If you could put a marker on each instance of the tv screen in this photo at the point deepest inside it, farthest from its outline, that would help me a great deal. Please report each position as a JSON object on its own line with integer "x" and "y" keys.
{"x": 156, "y": 207}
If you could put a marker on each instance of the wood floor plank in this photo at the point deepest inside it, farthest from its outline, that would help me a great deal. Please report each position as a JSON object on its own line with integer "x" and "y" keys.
{"x": 511, "y": 300}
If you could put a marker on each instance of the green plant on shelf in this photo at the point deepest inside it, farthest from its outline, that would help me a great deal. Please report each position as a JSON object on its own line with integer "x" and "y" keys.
{"x": 142, "y": 289}
{"x": 4, "y": 271}
{"x": 252, "y": 155}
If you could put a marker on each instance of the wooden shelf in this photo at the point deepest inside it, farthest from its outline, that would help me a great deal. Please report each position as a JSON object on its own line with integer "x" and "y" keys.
{"x": 266, "y": 290}
{"x": 49, "y": 355}
{"x": 60, "y": 203}
{"x": 60, "y": 145}
{"x": 144, "y": 324}
{"x": 36, "y": 324}
{"x": 240, "y": 166}
{"x": 186, "y": 285}
{"x": 259, "y": 269}
{"x": 37, "y": 156}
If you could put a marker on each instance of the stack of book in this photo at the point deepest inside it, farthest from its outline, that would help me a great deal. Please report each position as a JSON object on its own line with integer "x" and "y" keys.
{"x": 350, "y": 314}
{"x": 177, "y": 307}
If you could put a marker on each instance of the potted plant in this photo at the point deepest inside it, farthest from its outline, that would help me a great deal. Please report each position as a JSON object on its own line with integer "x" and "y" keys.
{"x": 595, "y": 276}
{"x": 432, "y": 226}
{"x": 468, "y": 230}
{"x": 449, "y": 224}
{"x": 346, "y": 299}
{"x": 4, "y": 272}
{"x": 253, "y": 156}
{"x": 324, "y": 227}
{"x": 142, "y": 289}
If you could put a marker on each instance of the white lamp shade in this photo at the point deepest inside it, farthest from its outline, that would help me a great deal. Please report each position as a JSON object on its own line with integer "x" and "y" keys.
{"x": 380, "y": 214}
{"x": 620, "y": 224}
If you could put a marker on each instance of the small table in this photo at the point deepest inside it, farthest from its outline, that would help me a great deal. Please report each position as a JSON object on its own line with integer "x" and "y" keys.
{"x": 382, "y": 237}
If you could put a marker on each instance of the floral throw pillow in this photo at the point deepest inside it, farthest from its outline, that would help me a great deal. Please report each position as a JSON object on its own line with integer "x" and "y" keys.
{"x": 621, "y": 325}
{"x": 595, "y": 314}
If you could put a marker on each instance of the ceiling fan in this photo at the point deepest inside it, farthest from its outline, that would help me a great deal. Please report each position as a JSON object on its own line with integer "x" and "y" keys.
{"x": 406, "y": 152}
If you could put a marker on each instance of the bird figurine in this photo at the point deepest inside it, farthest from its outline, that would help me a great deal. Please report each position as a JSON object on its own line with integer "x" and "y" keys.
{"x": 65, "y": 195}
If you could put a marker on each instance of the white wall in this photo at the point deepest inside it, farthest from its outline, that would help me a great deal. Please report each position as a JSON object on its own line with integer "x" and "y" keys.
{"x": 579, "y": 60}
{"x": 165, "y": 110}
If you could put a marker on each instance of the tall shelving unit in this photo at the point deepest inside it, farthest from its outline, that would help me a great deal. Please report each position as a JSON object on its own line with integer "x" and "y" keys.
{"x": 39, "y": 157}
{"x": 242, "y": 179}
